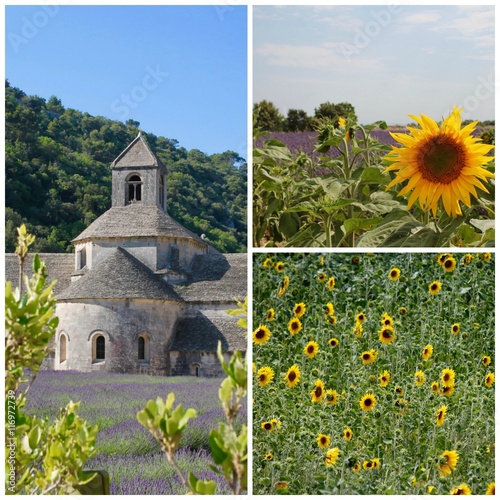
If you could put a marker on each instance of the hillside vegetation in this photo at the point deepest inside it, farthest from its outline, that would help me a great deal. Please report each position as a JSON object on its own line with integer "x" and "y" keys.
{"x": 58, "y": 176}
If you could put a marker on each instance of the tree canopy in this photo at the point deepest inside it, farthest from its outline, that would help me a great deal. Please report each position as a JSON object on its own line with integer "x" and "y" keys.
{"x": 58, "y": 176}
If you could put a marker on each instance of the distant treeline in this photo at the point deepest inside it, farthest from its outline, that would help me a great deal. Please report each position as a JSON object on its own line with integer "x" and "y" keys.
{"x": 58, "y": 176}
{"x": 267, "y": 117}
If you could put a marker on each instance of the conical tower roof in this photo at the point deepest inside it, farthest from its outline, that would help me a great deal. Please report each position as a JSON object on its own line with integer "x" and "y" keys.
{"x": 137, "y": 154}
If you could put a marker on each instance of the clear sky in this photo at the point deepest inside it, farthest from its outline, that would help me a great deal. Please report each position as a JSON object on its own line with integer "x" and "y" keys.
{"x": 387, "y": 61}
{"x": 180, "y": 71}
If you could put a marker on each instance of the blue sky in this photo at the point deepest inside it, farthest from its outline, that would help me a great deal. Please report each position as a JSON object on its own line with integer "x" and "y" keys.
{"x": 180, "y": 71}
{"x": 387, "y": 61}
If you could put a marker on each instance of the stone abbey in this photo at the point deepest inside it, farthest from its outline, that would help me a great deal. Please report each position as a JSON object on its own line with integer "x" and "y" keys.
{"x": 143, "y": 294}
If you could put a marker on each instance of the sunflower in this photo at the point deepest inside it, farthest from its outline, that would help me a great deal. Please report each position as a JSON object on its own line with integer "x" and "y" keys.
{"x": 419, "y": 378}
{"x": 331, "y": 457}
{"x": 455, "y": 328}
{"x": 331, "y": 283}
{"x": 318, "y": 393}
{"x": 441, "y": 259}
{"x": 268, "y": 263}
{"x": 447, "y": 462}
{"x": 394, "y": 274}
{"x": 280, "y": 266}
{"x": 486, "y": 360}
{"x": 463, "y": 489}
{"x": 311, "y": 349}
{"x": 403, "y": 311}
{"x": 468, "y": 258}
{"x": 333, "y": 342}
{"x": 367, "y": 465}
{"x": 267, "y": 426}
{"x": 331, "y": 397}
{"x": 332, "y": 320}
{"x": 398, "y": 390}
{"x": 386, "y": 335}
{"x": 299, "y": 310}
{"x": 265, "y": 375}
{"x": 329, "y": 309}
{"x": 440, "y": 415}
{"x": 369, "y": 357}
{"x": 376, "y": 463}
{"x": 358, "y": 330}
{"x": 357, "y": 467}
{"x": 435, "y": 387}
{"x": 321, "y": 277}
{"x": 486, "y": 256}
{"x": 294, "y": 326}
{"x": 368, "y": 402}
{"x": 427, "y": 352}
{"x": 261, "y": 334}
{"x": 276, "y": 423}
{"x": 292, "y": 376}
{"x": 448, "y": 391}
{"x": 384, "y": 378}
{"x": 347, "y": 434}
{"x": 440, "y": 163}
{"x": 448, "y": 377}
{"x": 490, "y": 490}
{"x": 286, "y": 283}
{"x": 435, "y": 288}
{"x": 489, "y": 380}
{"x": 450, "y": 264}
{"x": 323, "y": 441}
{"x": 386, "y": 320}
{"x": 270, "y": 314}
{"x": 360, "y": 317}
{"x": 269, "y": 456}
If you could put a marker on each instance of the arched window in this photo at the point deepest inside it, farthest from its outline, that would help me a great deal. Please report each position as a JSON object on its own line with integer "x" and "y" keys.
{"x": 100, "y": 348}
{"x": 195, "y": 369}
{"x": 161, "y": 193}
{"x": 134, "y": 184}
{"x": 143, "y": 348}
{"x": 62, "y": 348}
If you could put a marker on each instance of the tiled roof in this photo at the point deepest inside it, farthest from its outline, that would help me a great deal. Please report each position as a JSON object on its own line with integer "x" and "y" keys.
{"x": 137, "y": 154}
{"x": 119, "y": 276}
{"x": 203, "y": 331}
{"x": 216, "y": 277}
{"x": 136, "y": 220}
{"x": 59, "y": 267}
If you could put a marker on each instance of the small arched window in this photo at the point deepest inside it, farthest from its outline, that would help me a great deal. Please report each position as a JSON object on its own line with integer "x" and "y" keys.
{"x": 62, "y": 348}
{"x": 143, "y": 348}
{"x": 100, "y": 348}
{"x": 134, "y": 186}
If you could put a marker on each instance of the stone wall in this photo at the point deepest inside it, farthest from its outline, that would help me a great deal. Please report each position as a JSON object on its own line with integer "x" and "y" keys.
{"x": 121, "y": 323}
{"x": 185, "y": 363}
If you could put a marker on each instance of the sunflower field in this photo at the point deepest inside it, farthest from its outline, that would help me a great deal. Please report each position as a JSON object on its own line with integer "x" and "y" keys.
{"x": 431, "y": 186}
{"x": 373, "y": 373}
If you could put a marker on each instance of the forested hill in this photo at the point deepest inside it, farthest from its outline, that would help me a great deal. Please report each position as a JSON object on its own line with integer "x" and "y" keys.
{"x": 58, "y": 176}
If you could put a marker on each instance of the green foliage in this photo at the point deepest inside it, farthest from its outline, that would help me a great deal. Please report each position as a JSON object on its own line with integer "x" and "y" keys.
{"x": 335, "y": 111}
{"x": 58, "y": 178}
{"x": 43, "y": 458}
{"x": 267, "y": 117}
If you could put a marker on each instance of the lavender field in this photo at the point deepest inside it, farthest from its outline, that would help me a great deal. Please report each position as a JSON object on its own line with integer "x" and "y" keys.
{"x": 125, "y": 449}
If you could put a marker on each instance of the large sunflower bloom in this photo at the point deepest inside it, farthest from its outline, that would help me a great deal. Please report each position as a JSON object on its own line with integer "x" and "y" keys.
{"x": 440, "y": 163}
{"x": 427, "y": 352}
{"x": 323, "y": 440}
{"x": 331, "y": 397}
{"x": 311, "y": 349}
{"x": 331, "y": 283}
{"x": 294, "y": 326}
{"x": 447, "y": 462}
{"x": 394, "y": 274}
{"x": 434, "y": 287}
{"x": 369, "y": 357}
{"x": 331, "y": 457}
{"x": 384, "y": 378}
{"x": 491, "y": 489}
{"x": 448, "y": 377}
{"x": 292, "y": 376}
{"x": 386, "y": 334}
{"x": 489, "y": 380}
{"x": 261, "y": 335}
{"x": 299, "y": 310}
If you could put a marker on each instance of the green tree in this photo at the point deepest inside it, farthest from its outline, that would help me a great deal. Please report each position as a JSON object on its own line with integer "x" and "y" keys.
{"x": 335, "y": 111}
{"x": 266, "y": 117}
{"x": 297, "y": 120}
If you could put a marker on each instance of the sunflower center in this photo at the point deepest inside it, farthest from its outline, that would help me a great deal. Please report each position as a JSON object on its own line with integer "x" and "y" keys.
{"x": 446, "y": 377}
{"x": 368, "y": 402}
{"x": 441, "y": 159}
{"x": 386, "y": 334}
{"x": 310, "y": 349}
{"x": 260, "y": 334}
{"x": 267, "y": 425}
{"x": 292, "y": 376}
{"x": 318, "y": 391}
{"x": 323, "y": 440}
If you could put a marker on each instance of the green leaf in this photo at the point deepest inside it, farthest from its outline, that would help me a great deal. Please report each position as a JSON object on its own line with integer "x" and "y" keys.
{"x": 289, "y": 224}
{"x": 372, "y": 175}
{"x": 218, "y": 454}
{"x": 354, "y": 224}
{"x": 483, "y": 225}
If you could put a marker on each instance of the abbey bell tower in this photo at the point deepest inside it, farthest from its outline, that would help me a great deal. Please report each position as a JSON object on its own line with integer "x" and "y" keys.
{"x": 139, "y": 177}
